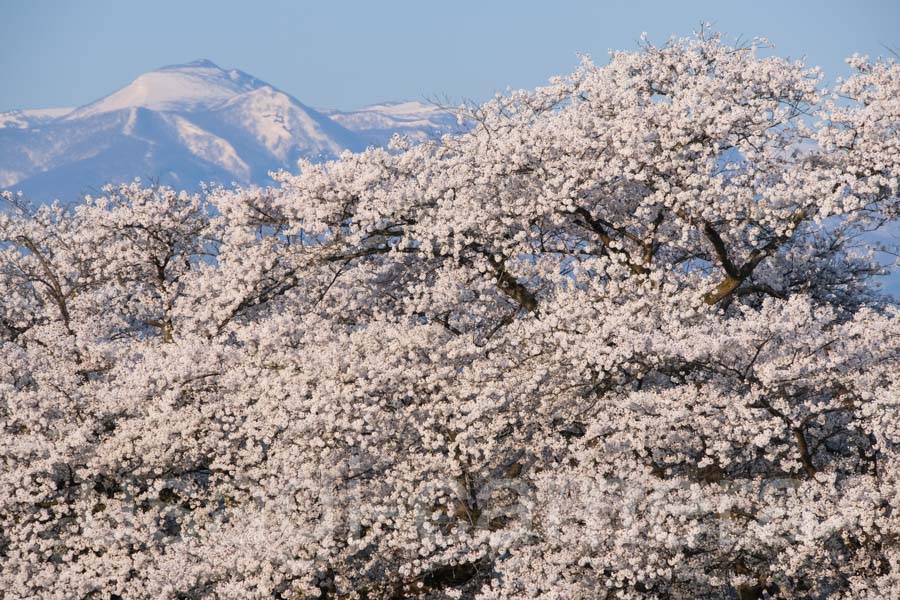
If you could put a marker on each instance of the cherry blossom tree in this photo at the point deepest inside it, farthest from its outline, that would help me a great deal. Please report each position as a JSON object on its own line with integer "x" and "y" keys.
{"x": 621, "y": 339}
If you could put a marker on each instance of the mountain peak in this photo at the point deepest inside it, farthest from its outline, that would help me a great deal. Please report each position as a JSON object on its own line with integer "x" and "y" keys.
{"x": 197, "y": 85}
{"x": 204, "y": 63}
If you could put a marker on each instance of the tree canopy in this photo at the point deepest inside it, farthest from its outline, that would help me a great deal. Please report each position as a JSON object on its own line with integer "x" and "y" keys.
{"x": 621, "y": 339}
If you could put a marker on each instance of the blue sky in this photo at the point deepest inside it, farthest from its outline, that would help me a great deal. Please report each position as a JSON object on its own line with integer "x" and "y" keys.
{"x": 340, "y": 54}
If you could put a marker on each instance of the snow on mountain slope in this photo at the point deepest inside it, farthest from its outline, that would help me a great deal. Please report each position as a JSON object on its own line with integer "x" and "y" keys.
{"x": 79, "y": 156}
{"x": 378, "y": 122}
{"x": 184, "y": 88}
{"x": 282, "y": 125}
{"x": 186, "y": 124}
{"x": 22, "y": 119}
{"x": 211, "y": 147}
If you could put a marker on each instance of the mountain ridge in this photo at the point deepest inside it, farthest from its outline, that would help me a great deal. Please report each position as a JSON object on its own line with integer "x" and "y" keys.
{"x": 189, "y": 123}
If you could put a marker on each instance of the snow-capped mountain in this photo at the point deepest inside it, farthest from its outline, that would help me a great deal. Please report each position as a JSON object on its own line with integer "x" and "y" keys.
{"x": 185, "y": 124}
{"x": 378, "y": 122}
